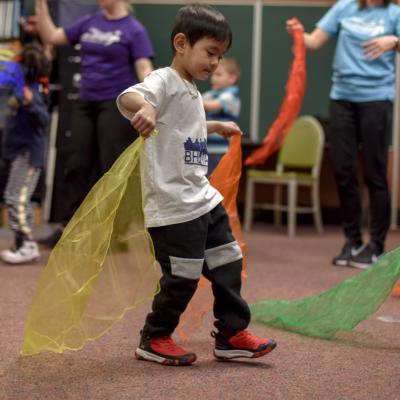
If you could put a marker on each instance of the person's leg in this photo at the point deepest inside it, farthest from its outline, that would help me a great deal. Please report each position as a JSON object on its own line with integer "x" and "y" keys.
{"x": 179, "y": 249}
{"x": 343, "y": 146}
{"x": 79, "y": 161}
{"x": 81, "y": 157}
{"x": 375, "y": 121}
{"x": 21, "y": 183}
{"x": 223, "y": 267}
{"x": 114, "y": 134}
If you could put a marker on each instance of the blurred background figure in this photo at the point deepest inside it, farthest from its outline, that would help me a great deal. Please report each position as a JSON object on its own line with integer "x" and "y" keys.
{"x": 361, "y": 95}
{"x": 222, "y": 103}
{"x": 24, "y": 145}
{"x": 115, "y": 52}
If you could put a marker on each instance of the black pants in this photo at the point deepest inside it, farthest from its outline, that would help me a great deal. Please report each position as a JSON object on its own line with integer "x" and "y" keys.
{"x": 187, "y": 250}
{"x": 367, "y": 124}
{"x": 99, "y": 134}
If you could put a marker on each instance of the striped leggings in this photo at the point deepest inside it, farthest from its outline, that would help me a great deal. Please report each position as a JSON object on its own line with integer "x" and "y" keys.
{"x": 21, "y": 183}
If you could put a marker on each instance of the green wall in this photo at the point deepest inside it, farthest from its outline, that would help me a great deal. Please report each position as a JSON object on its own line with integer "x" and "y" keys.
{"x": 159, "y": 18}
{"x": 276, "y": 55}
{"x": 277, "y": 58}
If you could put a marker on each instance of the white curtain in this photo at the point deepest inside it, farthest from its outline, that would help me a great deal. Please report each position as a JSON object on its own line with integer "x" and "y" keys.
{"x": 10, "y": 12}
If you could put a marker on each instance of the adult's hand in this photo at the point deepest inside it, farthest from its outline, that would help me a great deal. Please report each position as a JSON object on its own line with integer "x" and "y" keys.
{"x": 292, "y": 24}
{"x": 376, "y": 47}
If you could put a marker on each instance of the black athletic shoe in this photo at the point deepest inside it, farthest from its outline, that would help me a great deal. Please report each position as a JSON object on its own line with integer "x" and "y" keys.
{"x": 364, "y": 257}
{"x": 343, "y": 259}
{"x": 242, "y": 344}
{"x": 51, "y": 240}
{"x": 163, "y": 350}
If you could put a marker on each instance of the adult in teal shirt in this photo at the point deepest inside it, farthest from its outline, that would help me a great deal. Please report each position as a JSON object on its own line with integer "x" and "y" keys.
{"x": 360, "y": 115}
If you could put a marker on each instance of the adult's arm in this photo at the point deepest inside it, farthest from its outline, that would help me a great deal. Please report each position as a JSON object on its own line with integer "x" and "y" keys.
{"x": 48, "y": 31}
{"x": 314, "y": 40}
{"x": 143, "y": 67}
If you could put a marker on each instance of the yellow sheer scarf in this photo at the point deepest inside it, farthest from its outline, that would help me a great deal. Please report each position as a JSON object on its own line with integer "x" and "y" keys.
{"x": 104, "y": 263}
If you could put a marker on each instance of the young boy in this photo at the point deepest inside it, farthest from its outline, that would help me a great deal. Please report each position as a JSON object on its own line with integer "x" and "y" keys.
{"x": 222, "y": 103}
{"x": 188, "y": 225}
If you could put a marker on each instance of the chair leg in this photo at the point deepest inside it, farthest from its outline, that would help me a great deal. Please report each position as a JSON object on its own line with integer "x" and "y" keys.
{"x": 292, "y": 205}
{"x": 316, "y": 207}
{"x": 277, "y": 202}
{"x": 248, "y": 206}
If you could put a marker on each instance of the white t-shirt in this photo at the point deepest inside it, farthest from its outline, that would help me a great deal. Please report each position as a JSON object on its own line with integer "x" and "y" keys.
{"x": 175, "y": 162}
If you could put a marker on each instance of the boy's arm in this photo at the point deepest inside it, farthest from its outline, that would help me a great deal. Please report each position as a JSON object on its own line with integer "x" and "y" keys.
{"x": 226, "y": 129}
{"x": 144, "y": 118}
{"x": 36, "y": 108}
{"x": 212, "y": 105}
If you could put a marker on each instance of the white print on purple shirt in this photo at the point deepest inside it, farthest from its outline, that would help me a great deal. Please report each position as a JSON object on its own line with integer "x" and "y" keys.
{"x": 95, "y": 35}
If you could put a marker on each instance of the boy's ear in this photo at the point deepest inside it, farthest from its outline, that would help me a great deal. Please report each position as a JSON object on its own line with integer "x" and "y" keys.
{"x": 180, "y": 42}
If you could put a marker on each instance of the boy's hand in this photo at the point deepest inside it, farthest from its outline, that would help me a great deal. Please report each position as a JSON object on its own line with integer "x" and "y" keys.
{"x": 144, "y": 120}
{"x": 27, "y": 96}
{"x": 225, "y": 129}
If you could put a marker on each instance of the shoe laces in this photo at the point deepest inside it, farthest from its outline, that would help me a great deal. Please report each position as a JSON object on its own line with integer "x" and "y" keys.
{"x": 167, "y": 343}
{"x": 245, "y": 337}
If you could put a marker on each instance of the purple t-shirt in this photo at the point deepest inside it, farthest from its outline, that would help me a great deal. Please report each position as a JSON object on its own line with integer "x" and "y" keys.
{"x": 109, "y": 49}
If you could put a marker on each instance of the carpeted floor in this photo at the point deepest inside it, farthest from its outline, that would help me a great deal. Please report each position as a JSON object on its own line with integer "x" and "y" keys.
{"x": 364, "y": 364}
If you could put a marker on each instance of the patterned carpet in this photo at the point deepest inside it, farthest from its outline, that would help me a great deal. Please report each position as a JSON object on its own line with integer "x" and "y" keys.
{"x": 364, "y": 364}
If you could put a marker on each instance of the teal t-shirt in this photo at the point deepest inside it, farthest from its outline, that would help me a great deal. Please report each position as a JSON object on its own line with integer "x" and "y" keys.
{"x": 356, "y": 78}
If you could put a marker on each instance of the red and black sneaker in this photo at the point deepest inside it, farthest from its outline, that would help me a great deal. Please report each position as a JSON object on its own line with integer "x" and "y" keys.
{"x": 163, "y": 350}
{"x": 241, "y": 344}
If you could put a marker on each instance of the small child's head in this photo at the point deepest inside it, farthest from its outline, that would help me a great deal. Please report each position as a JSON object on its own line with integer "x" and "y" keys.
{"x": 226, "y": 74}
{"x": 200, "y": 37}
{"x": 34, "y": 62}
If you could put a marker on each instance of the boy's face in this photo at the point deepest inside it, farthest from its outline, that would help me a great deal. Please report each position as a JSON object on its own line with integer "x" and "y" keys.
{"x": 222, "y": 78}
{"x": 200, "y": 60}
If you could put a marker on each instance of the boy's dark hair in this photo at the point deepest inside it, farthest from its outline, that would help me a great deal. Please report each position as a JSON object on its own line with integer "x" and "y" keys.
{"x": 197, "y": 21}
{"x": 363, "y": 3}
{"x": 34, "y": 62}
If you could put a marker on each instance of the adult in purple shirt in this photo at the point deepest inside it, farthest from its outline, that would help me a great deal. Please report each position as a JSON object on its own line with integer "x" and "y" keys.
{"x": 116, "y": 53}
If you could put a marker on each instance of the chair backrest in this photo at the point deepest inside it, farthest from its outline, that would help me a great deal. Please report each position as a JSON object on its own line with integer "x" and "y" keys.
{"x": 303, "y": 146}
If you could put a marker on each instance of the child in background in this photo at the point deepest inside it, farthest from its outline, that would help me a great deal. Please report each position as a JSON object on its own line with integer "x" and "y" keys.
{"x": 222, "y": 103}
{"x": 24, "y": 145}
{"x": 183, "y": 213}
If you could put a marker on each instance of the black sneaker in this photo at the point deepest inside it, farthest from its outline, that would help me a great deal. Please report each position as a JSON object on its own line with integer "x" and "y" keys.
{"x": 343, "y": 259}
{"x": 365, "y": 256}
{"x": 242, "y": 344}
{"x": 163, "y": 350}
{"x": 51, "y": 240}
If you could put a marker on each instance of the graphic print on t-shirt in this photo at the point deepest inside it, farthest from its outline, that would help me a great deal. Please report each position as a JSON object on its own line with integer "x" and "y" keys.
{"x": 196, "y": 152}
{"x": 359, "y": 26}
{"x": 95, "y": 35}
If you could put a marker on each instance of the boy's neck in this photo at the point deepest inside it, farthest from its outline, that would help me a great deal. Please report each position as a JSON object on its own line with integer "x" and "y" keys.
{"x": 180, "y": 70}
